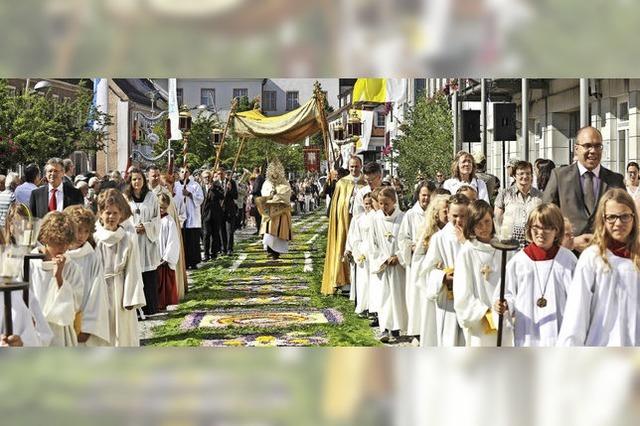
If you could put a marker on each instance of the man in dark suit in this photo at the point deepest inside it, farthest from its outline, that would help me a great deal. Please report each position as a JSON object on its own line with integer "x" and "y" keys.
{"x": 577, "y": 188}
{"x": 55, "y": 195}
{"x": 230, "y": 208}
{"x": 256, "y": 191}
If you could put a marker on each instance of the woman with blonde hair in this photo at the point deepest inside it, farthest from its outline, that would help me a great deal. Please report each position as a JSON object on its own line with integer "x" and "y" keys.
{"x": 603, "y": 304}
{"x": 463, "y": 171}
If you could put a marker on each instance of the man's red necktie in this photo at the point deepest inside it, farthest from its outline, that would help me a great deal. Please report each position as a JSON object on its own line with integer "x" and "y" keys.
{"x": 53, "y": 202}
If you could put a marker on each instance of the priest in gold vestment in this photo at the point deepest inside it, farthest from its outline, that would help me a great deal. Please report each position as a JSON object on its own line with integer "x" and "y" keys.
{"x": 275, "y": 207}
{"x": 336, "y": 272}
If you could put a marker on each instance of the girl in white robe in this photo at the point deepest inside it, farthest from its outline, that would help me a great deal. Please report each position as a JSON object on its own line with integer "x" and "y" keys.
{"x": 603, "y": 303}
{"x": 384, "y": 260}
{"x": 357, "y": 247}
{"x": 435, "y": 220}
{"x": 537, "y": 281}
{"x": 438, "y": 268}
{"x": 119, "y": 253}
{"x": 408, "y": 235}
{"x": 56, "y": 282}
{"x": 145, "y": 224}
{"x": 476, "y": 277}
{"x": 92, "y": 319}
{"x": 22, "y": 321}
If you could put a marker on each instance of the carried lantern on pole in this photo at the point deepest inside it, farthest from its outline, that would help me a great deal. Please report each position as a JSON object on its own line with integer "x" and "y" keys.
{"x": 354, "y": 125}
{"x": 216, "y": 136}
{"x": 185, "y": 121}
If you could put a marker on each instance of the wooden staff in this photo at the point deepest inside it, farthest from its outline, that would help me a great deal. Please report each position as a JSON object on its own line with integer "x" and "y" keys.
{"x": 234, "y": 105}
{"x": 323, "y": 122}
{"x": 235, "y": 162}
{"x": 504, "y": 247}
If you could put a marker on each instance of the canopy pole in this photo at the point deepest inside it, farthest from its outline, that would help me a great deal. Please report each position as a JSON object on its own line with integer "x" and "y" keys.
{"x": 323, "y": 122}
{"x": 234, "y": 104}
{"x": 235, "y": 162}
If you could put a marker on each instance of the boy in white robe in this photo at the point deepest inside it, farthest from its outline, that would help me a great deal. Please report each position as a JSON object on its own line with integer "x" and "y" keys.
{"x": 476, "y": 277}
{"x": 603, "y": 303}
{"x": 118, "y": 251}
{"x": 374, "y": 282}
{"x": 384, "y": 260}
{"x": 408, "y": 239}
{"x": 537, "y": 281}
{"x": 169, "y": 245}
{"x": 56, "y": 282}
{"x": 92, "y": 319}
{"x": 357, "y": 248}
{"x": 24, "y": 331}
{"x": 438, "y": 272}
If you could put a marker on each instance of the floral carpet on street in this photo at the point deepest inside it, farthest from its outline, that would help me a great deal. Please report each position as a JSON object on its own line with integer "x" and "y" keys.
{"x": 250, "y": 300}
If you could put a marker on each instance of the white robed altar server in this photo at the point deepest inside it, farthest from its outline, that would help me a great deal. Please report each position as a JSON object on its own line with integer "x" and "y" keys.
{"x": 94, "y": 306}
{"x": 358, "y": 245}
{"x": 408, "y": 240}
{"x": 438, "y": 262}
{"x": 603, "y": 304}
{"x": 436, "y": 271}
{"x": 392, "y": 315}
{"x": 59, "y": 303}
{"x": 527, "y": 281}
{"x": 537, "y": 280}
{"x": 476, "y": 277}
{"x": 22, "y": 320}
{"x": 119, "y": 253}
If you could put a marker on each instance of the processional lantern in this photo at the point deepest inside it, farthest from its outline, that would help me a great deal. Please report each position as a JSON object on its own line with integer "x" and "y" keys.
{"x": 216, "y": 135}
{"x": 185, "y": 121}
{"x": 354, "y": 125}
{"x": 338, "y": 132}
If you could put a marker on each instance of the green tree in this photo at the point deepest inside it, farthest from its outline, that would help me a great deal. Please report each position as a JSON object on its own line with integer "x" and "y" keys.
{"x": 43, "y": 127}
{"x": 426, "y": 140}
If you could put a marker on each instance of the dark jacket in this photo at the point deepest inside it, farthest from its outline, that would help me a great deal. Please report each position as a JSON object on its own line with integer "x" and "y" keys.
{"x": 39, "y": 201}
{"x": 565, "y": 190}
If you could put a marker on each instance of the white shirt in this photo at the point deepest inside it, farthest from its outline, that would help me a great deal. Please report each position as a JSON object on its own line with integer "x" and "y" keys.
{"x": 59, "y": 197}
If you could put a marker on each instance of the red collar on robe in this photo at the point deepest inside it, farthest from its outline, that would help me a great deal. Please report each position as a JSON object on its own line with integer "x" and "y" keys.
{"x": 163, "y": 214}
{"x": 619, "y": 249}
{"x": 537, "y": 254}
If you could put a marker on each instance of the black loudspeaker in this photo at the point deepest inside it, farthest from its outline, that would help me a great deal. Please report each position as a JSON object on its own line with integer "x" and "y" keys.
{"x": 470, "y": 126}
{"x": 504, "y": 122}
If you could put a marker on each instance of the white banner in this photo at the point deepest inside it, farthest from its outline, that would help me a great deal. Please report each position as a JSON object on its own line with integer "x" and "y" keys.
{"x": 174, "y": 112}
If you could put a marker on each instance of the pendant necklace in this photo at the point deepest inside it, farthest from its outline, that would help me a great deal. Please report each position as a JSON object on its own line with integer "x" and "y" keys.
{"x": 485, "y": 269}
{"x": 542, "y": 301}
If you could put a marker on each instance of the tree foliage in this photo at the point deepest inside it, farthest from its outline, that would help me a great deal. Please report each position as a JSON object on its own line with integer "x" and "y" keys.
{"x": 426, "y": 140}
{"x": 43, "y": 127}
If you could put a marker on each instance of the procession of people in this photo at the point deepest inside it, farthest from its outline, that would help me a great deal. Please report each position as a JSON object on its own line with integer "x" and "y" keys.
{"x": 418, "y": 264}
{"x": 119, "y": 252}
{"x": 431, "y": 274}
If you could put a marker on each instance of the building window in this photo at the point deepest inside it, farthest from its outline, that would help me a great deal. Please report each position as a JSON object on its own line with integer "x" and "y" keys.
{"x": 208, "y": 97}
{"x": 292, "y": 100}
{"x": 380, "y": 119}
{"x": 623, "y": 111}
{"x": 179, "y": 97}
{"x": 239, "y": 93}
{"x": 269, "y": 101}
